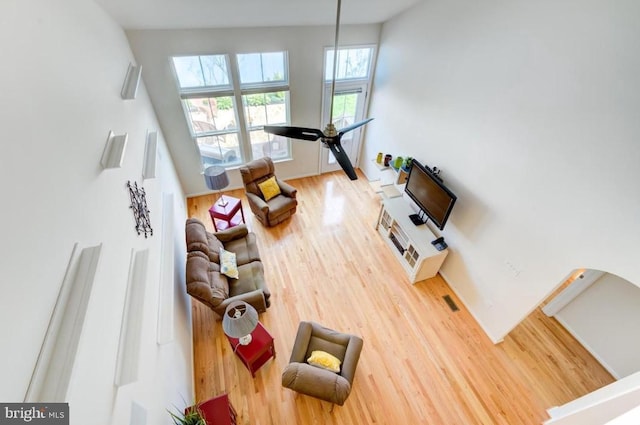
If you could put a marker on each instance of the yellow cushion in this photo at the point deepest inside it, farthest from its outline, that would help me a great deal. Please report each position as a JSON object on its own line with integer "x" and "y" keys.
{"x": 324, "y": 360}
{"x": 269, "y": 188}
{"x": 228, "y": 265}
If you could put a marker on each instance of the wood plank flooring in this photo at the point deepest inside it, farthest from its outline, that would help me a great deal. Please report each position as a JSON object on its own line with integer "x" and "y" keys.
{"x": 421, "y": 362}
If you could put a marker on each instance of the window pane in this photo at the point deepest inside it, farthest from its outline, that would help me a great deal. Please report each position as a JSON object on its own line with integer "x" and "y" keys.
{"x": 208, "y": 114}
{"x": 250, "y": 66}
{"x": 188, "y": 71}
{"x": 352, "y": 63}
{"x": 344, "y": 109}
{"x": 201, "y": 71}
{"x": 256, "y": 68}
{"x": 344, "y": 114}
{"x": 223, "y": 149}
{"x": 265, "y": 108}
{"x": 263, "y": 144}
{"x": 215, "y": 70}
{"x": 273, "y": 67}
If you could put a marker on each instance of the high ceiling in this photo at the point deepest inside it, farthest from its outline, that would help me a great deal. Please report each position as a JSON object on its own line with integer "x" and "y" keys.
{"x": 174, "y": 14}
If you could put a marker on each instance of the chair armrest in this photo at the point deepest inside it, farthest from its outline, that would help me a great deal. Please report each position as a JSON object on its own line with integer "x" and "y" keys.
{"x": 232, "y": 233}
{"x": 287, "y": 189}
{"x": 351, "y": 357}
{"x": 316, "y": 382}
{"x": 299, "y": 351}
{"x": 257, "y": 203}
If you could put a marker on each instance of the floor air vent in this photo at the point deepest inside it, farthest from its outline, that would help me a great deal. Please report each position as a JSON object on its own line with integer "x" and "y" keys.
{"x": 452, "y": 305}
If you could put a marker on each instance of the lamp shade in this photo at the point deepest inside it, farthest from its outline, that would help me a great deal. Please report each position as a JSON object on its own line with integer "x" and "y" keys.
{"x": 239, "y": 320}
{"x": 216, "y": 177}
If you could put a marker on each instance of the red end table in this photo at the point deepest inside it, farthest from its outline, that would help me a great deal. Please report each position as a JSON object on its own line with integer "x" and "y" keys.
{"x": 257, "y": 352}
{"x": 228, "y": 216}
{"x": 217, "y": 411}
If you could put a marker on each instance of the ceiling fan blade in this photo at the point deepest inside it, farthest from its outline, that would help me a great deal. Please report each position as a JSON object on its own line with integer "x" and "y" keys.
{"x": 353, "y": 126}
{"x": 343, "y": 159}
{"x": 302, "y": 133}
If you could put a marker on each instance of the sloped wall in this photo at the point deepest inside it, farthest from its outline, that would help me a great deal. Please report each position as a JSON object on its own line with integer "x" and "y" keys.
{"x": 64, "y": 63}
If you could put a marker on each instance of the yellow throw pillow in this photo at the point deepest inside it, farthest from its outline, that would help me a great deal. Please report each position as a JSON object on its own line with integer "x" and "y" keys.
{"x": 324, "y": 360}
{"x": 269, "y": 188}
{"x": 228, "y": 265}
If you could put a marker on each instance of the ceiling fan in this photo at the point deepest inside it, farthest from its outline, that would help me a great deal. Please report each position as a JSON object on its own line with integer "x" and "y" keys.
{"x": 330, "y": 137}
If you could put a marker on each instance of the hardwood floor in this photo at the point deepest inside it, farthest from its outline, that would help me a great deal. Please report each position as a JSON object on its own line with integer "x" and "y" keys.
{"x": 421, "y": 362}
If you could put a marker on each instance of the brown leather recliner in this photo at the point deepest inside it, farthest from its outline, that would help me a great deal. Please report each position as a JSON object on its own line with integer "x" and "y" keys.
{"x": 317, "y": 382}
{"x": 276, "y": 209}
{"x": 207, "y": 284}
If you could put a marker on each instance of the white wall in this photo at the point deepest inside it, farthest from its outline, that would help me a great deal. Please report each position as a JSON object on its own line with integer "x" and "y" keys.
{"x": 604, "y": 318}
{"x": 305, "y": 46}
{"x": 63, "y": 65}
{"x": 531, "y": 111}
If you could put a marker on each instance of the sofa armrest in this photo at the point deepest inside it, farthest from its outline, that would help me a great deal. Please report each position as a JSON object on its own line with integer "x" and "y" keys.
{"x": 232, "y": 233}
{"x": 287, "y": 189}
{"x": 202, "y": 292}
{"x": 203, "y": 283}
{"x": 316, "y": 382}
{"x": 255, "y": 298}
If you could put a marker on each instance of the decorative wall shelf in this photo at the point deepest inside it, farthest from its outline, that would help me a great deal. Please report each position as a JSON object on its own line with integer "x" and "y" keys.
{"x": 138, "y": 414}
{"x": 113, "y": 153}
{"x": 132, "y": 318}
{"x": 165, "y": 304}
{"x": 50, "y": 379}
{"x": 131, "y": 82}
{"x": 150, "y": 156}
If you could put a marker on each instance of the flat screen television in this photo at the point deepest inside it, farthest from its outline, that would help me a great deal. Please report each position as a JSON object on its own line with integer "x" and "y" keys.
{"x": 430, "y": 194}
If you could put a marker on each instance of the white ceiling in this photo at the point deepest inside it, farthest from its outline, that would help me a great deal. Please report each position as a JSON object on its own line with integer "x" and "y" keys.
{"x": 174, "y": 14}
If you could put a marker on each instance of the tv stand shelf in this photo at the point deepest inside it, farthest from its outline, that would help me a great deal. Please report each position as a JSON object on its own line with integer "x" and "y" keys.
{"x": 410, "y": 244}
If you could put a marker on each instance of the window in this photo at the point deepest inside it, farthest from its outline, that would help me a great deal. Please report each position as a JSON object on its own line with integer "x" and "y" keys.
{"x": 353, "y": 64}
{"x": 264, "y": 83}
{"x": 352, "y": 80}
{"x": 353, "y": 77}
{"x": 225, "y": 133}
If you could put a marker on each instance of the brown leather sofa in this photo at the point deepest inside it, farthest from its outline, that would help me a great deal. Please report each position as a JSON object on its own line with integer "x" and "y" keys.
{"x": 314, "y": 381}
{"x": 204, "y": 280}
{"x": 276, "y": 209}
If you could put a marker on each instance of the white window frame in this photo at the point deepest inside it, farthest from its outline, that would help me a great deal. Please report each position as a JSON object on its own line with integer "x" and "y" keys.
{"x": 361, "y": 85}
{"x": 236, "y": 91}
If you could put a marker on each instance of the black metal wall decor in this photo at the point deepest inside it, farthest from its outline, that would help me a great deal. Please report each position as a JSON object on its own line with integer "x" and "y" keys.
{"x": 140, "y": 210}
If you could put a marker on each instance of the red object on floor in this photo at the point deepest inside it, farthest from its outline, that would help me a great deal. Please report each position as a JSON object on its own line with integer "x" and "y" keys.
{"x": 228, "y": 216}
{"x": 217, "y": 411}
{"x": 257, "y": 352}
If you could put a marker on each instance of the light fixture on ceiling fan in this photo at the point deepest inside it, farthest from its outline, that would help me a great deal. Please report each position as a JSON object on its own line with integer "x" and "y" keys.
{"x": 330, "y": 137}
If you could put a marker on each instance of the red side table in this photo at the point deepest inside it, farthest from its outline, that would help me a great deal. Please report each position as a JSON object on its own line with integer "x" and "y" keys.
{"x": 217, "y": 411}
{"x": 257, "y": 352}
{"x": 228, "y": 216}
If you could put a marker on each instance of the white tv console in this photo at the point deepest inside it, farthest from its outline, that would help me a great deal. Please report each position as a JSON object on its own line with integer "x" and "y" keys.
{"x": 410, "y": 244}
